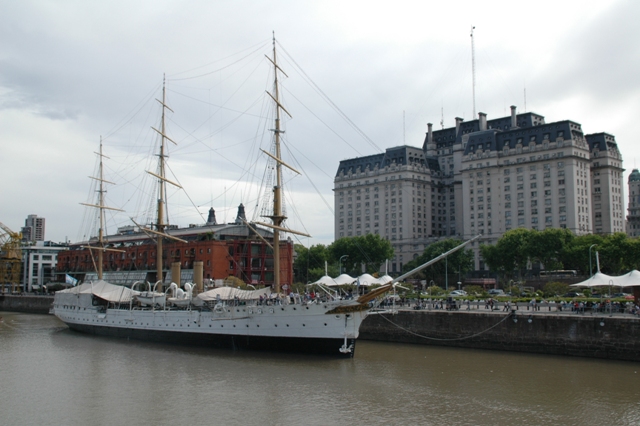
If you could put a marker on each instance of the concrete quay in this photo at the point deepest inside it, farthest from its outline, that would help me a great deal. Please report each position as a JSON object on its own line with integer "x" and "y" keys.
{"x": 521, "y": 329}
{"x": 32, "y": 304}
{"x": 590, "y": 334}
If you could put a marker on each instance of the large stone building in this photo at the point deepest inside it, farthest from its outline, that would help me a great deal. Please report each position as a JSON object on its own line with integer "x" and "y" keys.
{"x": 483, "y": 177}
{"x": 633, "y": 215}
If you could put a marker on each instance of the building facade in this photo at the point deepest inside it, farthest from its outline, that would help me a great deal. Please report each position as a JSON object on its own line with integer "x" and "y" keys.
{"x": 33, "y": 229}
{"x": 226, "y": 250}
{"x": 633, "y": 211}
{"x": 483, "y": 177}
{"x": 39, "y": 264}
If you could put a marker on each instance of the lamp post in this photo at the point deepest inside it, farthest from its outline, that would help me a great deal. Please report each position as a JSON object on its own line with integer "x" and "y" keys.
{"x": 342, "y": 257}
{"x": 446, "y": 274}
{"x": 590, "y": 247}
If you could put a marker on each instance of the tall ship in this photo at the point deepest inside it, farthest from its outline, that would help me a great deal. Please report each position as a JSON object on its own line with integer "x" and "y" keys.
{"x": 270, "y": 318}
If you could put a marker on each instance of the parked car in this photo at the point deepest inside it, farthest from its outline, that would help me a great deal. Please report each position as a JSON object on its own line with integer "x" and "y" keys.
{"x": 619, "y": 295}
{"x": 458, "y": 293}
{"x": 573, "y": 294}
{"x": 495, "y": 292}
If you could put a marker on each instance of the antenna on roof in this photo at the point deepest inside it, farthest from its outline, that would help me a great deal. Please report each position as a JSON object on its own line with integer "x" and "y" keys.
{"x": 404, "y": 129}
{"x": 442, "y": 117}
{"x": 473, "y": 71}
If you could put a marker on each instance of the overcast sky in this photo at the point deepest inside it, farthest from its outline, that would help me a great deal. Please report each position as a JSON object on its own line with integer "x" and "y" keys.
{"x": 72, "y": 72}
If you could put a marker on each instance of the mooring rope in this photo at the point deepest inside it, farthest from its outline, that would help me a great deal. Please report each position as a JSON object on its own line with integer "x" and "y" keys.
{"x": 458, "y": 338}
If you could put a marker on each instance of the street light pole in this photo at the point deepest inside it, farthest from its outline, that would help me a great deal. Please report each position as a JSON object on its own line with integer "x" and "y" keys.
{"x": 342, "y": 257}
{"x": 590, "y": 269}
{"x": 446, "y": 274}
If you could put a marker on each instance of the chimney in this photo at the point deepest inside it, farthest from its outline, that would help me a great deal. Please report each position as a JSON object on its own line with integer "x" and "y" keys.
{"x": 429, "y": 133}
{"x": 458, "y": 122}
{"x": 482, "y": 120}
{"x": 513, "y": 117}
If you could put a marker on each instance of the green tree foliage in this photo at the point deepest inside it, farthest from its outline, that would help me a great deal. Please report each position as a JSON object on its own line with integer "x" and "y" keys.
{"x": 510, "y": 253}
{"x": 310, "y": 259}
{"x": 560, "y": 249}
{"x": 434, "y": 290}
{"x": 370, "y": 250}
{"x": 548, "y": 246}
{"x": 576, "y": 254}
{"x": 474, "y": 290}
{"x": 555, "y": 289}
{"x": 462, "y": 260}
{"x": 615, "y": 254}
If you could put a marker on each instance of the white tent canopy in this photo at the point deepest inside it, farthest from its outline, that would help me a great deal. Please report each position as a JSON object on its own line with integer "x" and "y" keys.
{"x": 326, "y": 280}
{"x": 367, "y": 280}
{"x": 363, "y": 280}
{"x": 344, "y": 279}
{"x": 231, "y": 293}
{"x": 599, "y": 279}
{"x": 385, "y": 279}
{"x": 102, "y": 289}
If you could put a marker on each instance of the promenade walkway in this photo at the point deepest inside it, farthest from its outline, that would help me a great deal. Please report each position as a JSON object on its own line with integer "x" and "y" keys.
{"x": 547, "y": 308}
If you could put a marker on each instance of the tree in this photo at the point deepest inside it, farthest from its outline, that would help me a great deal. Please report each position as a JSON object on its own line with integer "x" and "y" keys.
{"x": 576, "y": 254}
{"x": 370, "y": 250}
{"x": 460, "y": 261}
{"x": 510, "y": 253}
{"x": 548, "y": 246}
{"x": 308, "y": 259}
{"x": 615, "y": 254}
{"x": 555, "y": 289}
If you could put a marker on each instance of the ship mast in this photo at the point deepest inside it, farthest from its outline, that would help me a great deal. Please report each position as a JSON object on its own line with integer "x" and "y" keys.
{"x": 277, "y": 216}
{"x": 101, "y": 216}
{"x": 160, "y": 225}
{"x": 101, "y": 207}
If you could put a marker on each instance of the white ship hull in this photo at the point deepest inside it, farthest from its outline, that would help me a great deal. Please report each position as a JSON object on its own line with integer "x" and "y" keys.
{"x": 291, "y": 328}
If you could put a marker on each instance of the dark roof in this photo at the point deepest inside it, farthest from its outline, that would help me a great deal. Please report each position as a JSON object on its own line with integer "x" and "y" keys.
{"x": 602, "y": 141}
{"x": 446, "y": 137}
{"x": 494, "y": 139}
{"x": 397, "y": 155}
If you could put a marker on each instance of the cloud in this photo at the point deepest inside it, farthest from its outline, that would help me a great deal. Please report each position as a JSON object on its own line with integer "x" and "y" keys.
{"x": 71, "y": 72}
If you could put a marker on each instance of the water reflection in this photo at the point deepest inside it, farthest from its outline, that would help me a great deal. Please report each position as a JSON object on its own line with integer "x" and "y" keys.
{"x": 62, "y": 377}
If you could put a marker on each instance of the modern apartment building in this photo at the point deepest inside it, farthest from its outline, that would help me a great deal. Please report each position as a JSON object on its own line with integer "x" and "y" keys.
{"x": 483, "y": 177}
{"x": 33, "y": 229}
{"x": 39, "y": 262}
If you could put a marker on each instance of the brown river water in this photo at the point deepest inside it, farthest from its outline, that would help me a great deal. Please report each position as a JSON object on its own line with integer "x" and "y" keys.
{"x": 50, "y": 375}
